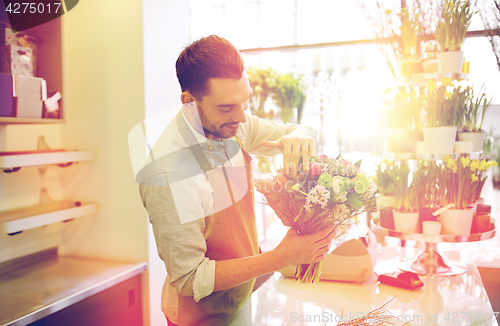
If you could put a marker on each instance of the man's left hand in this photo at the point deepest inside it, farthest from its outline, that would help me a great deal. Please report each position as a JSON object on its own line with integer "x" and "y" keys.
{"x": 292, "y": 147}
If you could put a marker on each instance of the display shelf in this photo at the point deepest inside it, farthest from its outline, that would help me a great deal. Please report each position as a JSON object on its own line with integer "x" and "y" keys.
{"x": 15, "y": 221}
{"x": 379, "y": 230}
{"x": 428, "y": 156}
{"x": 15, "y": 161}
{"x": 14, "y": 120}
{"x": 421, "y": 79}
{"x": 429, "y": 261}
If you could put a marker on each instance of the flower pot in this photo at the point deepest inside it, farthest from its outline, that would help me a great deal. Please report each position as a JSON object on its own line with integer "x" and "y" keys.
{"x": 432, "y": 65}
{"x": 463, "y": 147}
{"x": 451, "y": 61}
{"x": 393, "y": 139}
{"x": 473, "y": 206}
{"x": 440, "y": 140}
{"x": 476, "y": 137}
{"x": 405, "y": 222}
{"x": 387, "y": 218}
{"x": 424, "y": 215}
{"x": 480, "y": 222}
{"x": 431, "y": 227}
{"x": 456, "y": 221}
{"x": 386, "y": 201}
{"x": 483, "y": 222}
{"x": 408, "y": 66}
{"x": 482, "y": 208}
{"x": 400, "y": 140}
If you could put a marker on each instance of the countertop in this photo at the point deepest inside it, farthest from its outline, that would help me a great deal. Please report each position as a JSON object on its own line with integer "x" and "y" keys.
{"x": 450, "y": 300}
{"x": 36, "y": 290}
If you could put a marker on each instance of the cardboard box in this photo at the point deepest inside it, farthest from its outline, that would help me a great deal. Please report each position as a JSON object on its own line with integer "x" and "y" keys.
{"x": 30, "y": 93}
{"x": 7, "y": 99}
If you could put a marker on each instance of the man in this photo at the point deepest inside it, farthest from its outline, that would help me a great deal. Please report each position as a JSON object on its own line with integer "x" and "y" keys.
{"x": 198, "y": 190}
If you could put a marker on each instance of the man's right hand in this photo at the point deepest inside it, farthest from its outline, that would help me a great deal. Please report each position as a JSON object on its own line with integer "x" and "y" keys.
{"x": 297, "y": 249}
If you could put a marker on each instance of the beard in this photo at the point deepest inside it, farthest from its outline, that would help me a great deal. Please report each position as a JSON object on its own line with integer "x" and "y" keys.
{"x": 211, "y": 129}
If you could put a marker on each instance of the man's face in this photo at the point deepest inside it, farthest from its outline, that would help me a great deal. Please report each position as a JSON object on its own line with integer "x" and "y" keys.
{"x": 222, "y": 110}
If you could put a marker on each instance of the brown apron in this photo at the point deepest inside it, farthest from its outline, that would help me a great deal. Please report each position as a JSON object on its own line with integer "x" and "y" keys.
{"x": 232, "y": 233}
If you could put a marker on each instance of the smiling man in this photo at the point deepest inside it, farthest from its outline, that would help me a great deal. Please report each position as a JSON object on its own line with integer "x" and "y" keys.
{"x": 198, "y": 190}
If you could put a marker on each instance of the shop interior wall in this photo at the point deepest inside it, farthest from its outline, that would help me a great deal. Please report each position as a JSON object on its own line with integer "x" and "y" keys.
{"x": 166, "y": 31}
{"x": 104, "y": 98}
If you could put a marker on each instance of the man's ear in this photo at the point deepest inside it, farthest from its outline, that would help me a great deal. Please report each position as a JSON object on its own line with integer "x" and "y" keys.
{"x": 186, "y": 97}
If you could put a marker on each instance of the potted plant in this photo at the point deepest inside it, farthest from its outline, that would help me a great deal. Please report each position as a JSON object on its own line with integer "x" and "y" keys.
{"x": 409, "y": 62}
{"x": 457, "y": 185}
{"x": 444, "y": 107}
{"x": 425, "y": 182}
{"x": 402, "y": 110}
{"x": 289, "y": 95}
{"x": 406, "y": 209}
{"x": 450, "y": 34}
{"x": 479, "y": 175}
{"x": 475, "y": 110}
{"x": 384, "y": 180}
{"x": 262, "y": 79}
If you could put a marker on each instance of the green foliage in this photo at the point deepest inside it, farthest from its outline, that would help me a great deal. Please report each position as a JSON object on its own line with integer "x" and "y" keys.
{"x": 451, "y": 30}
{"x": 354, "y": 201}
{"x": 385, "y": 177}
{"x": 285, "y": 90}
{"x": 289, "y": 94}
{"x": 405, "y": 192}
{"x": 410, "y": 27}
{"x": 475, "y": 110}
{"x": 445, "y": 103}
{"x": 425, "y": 183}
{"x": 402, "y": 109}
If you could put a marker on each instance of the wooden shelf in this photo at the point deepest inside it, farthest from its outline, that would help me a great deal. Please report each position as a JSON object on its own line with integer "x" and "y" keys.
{"x": 9, "y": 162}
{"x": 14, "y": 120}
{"x": 15, "y": 221}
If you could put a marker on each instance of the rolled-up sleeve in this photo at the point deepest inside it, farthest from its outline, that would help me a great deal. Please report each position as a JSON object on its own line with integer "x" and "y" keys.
{"x": 182, "y": 246}
{"x": 257, "y": 130}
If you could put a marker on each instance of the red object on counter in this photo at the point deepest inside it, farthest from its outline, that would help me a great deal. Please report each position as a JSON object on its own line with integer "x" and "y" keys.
{"x": 32, "y": 152}
{"x": 405, "y": 280}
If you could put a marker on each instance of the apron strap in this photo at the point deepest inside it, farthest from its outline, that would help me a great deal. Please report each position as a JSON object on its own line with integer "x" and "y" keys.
{"x": 192, "y": 143}
{"x": 200, "y": 157}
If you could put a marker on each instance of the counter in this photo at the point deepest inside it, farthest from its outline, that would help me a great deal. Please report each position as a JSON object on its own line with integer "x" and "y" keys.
{"x": 455, "y": 300}
{"x": 37, "y": 289}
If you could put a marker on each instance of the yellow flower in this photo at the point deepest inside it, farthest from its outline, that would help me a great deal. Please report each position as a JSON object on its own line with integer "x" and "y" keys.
{"x": 450, "y": 164}
{"x": 483, "y": 166}
{"x": 445, "y": 81}
{"x": 431, "y": 85}
{"x": 465, "y": 161}
{"x": 474, "y": 165}
{"x": 474, "y": 178}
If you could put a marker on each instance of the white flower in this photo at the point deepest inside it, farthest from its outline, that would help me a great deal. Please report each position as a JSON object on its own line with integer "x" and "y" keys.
{"x": 336, "y": 186}
{"x": 317, "y": 195}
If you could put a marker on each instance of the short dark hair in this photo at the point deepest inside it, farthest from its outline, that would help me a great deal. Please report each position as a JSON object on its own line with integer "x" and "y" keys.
{"x": 207, "y": 57}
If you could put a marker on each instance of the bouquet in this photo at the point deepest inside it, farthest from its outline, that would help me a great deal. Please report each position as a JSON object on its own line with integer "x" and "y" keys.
{"x": 332, "y": 192}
